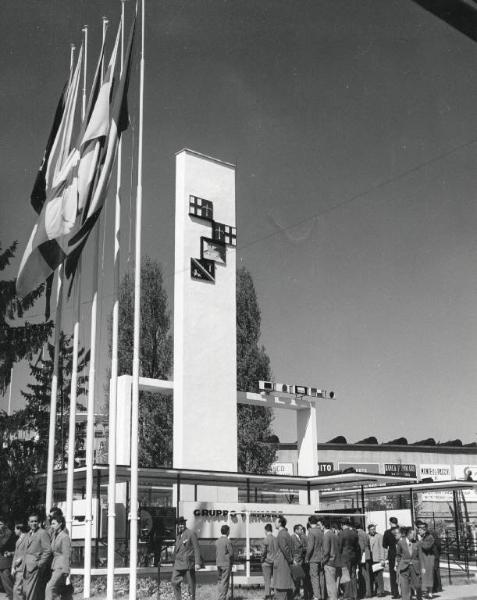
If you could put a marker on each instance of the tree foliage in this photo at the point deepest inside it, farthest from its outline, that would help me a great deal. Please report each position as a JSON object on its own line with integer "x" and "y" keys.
{"x": 35, "y": 417}
{"x": 253, "y": 364}
{"x": 17, "y": 341}
{"x": 155, "y": 410}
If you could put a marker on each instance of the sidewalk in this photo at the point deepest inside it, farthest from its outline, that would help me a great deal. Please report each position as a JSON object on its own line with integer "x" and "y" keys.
{"x": 458, "y": 592}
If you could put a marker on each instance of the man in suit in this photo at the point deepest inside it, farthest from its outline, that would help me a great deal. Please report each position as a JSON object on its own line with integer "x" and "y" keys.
{"x": 330, "y": 559}
{"x": 36, "y": 559}
{"x": 269, "y": 550}
{"x": 298, "y": 551}
{"x": 408, "y": 564}
{"x": 224, "y": 557}
{"x": 350, "y": 553}
{"x": 17, "y": 563}
{"x": 389, "y": 543}
{"x": 314, "y": 556}
{"x": 187, "y": 559}
{"x": 282, "y": 578}
{"x": 7, "y": 549}
{"x": 363, "y": 580}
{"x": 377, "y": 561}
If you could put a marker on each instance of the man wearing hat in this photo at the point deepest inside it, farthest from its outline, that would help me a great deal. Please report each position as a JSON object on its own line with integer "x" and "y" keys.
{"x": 389, "y": 543}
{"x": 187, "y": 559}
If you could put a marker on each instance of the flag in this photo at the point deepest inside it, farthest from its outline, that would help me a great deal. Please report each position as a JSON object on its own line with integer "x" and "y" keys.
{"x": 80, "y": 186}
{"x": 118, "y": 123}
{"x": 36, "y": 263}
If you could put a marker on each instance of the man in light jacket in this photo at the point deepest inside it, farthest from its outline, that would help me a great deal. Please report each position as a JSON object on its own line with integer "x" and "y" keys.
{"x": 36, "y": 559}
{"x": 377, "y": 561}
{"x": 269, "y": 551}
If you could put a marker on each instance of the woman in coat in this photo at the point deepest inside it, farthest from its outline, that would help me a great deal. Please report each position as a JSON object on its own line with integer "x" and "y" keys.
{"x": 282, "y": 577}
{"x": 426, "y": 556}
{"x": 60, "y": 567}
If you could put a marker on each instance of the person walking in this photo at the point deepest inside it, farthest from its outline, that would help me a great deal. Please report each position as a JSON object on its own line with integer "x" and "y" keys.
{"x": 36, "y": 559}
{"x": 389, "y": 543}
{"x": 377, "y": 561}
{"x": 187, "y": 559}
{"x": 60, "y": 567}
{"x": 282, "y": 578}
{"x": 330, "y": 559}
{"x": 17, "y": 562}
{"x": 269, "y": 550}
{"x": 314, "y": 556}
{"x": 224, "y": 557}
{"x": 7, "y": 549}
{"x": 350, "y": 553}
{"x": 408, "y": 564}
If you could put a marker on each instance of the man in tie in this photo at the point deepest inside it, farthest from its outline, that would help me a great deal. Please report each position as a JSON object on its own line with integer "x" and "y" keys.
{"x": 36, "y": 560}
{"x": 187, "y": 559}
{"x": 408, "y": 564}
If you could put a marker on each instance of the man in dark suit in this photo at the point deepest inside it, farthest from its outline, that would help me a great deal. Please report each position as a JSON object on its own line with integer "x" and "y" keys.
{"x": 298, "y": 551}
{"x": 7, "y": 549}
{"x": 350, "y": 553}
{"x": 224, "y": 560}
{"x": 408, "y": 564}
{"x": 389, "y": 543}
{"x": 187, "y": 559}
{"x": 330, "y": 559}
{"x": 314, "y": 556}
{"x": 36, "y": 559}
{"x": 282, "y": 577}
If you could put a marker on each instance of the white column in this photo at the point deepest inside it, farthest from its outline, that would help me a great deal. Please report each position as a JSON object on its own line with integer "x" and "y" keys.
{"x": 205, "y": 396}
{"x": 307, "y": 449}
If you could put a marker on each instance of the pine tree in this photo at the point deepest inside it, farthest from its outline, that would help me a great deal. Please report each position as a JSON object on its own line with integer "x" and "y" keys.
{"x": 253, "y": 364}
{"x": 155, "y": 410}
{"x": 34, "y": 419}
{"x": 20, "y": 341}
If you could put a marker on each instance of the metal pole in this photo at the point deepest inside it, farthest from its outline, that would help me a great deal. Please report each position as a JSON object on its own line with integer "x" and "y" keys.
{"x": 247, "y": 544}
{"x": 88, "y": 530}
{"x": 98, "y": 517}
{"x": 456, "y": 523}
{"x": 136, "y": 344}
{"x": 114, "y": 366}
{"x": 411, "y": 497}
{"x": 363, "y": 502}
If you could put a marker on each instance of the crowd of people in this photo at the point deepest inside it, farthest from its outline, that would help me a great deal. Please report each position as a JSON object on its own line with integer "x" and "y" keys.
{"x": 35, "y": 558}
{"x": 328, "y": 560}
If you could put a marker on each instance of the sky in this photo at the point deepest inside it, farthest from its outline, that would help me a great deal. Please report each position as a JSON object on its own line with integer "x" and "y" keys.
{"x": 352, "y": 124}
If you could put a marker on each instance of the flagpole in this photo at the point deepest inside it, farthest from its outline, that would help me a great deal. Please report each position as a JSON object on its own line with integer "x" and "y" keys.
{"x": 54, "y": 379}
{"x": 74, "y": 373}
{"x": 88, "y": 537}
{"x": 114, "y": 367}
{"x": 9, "y": 409}
{"x": 136, "y": 345}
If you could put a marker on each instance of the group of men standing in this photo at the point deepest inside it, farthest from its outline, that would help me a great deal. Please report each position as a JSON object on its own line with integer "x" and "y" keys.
{"x": 35, "y": 560}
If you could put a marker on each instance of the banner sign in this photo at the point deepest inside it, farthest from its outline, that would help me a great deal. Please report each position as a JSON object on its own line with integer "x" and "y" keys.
{"x": 325, "y": 468}
{"x": 281, "y": 468}
{"x": 437, "y": 473}
{"x": 400, "y": 470}
{"x": 360, "y": 467}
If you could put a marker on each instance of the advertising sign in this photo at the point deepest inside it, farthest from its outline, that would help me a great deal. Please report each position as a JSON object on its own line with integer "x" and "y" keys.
{"x": 437, "y": 473}
{"x": 400, "y": 470}
{"x": 281, "y": 468}
{"x": 467, "y": 473}
{"x": 325, "y": 468}
{"x": 206, "y": 518}
{"x": 360, "y": 467}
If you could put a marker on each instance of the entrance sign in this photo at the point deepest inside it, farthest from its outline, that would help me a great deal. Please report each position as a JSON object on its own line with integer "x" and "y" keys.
{"x": 325, "y": 468}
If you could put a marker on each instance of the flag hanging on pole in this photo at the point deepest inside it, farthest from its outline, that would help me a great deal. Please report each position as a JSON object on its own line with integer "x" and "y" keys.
{"x": 80, "y": 186}
{"x": 36, "y": 263}
{"x": 119, "y": 121}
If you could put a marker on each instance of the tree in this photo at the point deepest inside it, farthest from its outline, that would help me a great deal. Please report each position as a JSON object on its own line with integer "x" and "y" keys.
{"x": 155, "y": 410}
{"x": 34, "y": 419}
{"x": 20, "y": 341}
{"x": 253, "y": 364}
